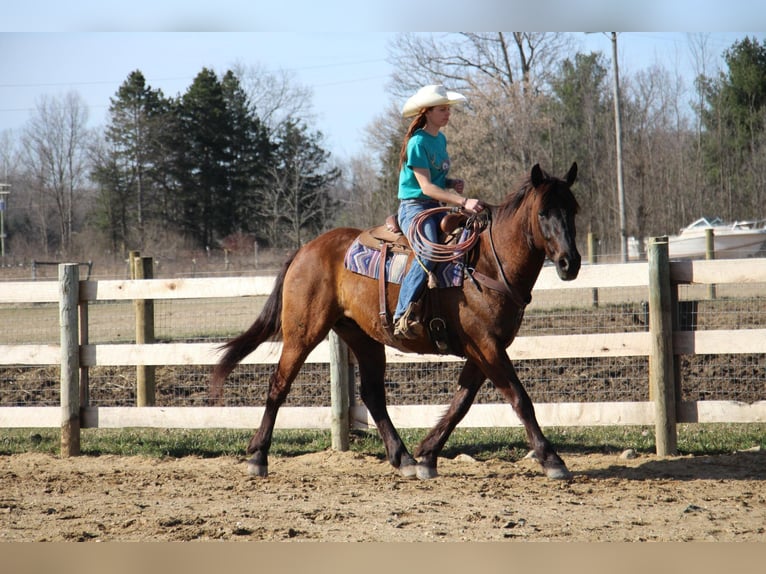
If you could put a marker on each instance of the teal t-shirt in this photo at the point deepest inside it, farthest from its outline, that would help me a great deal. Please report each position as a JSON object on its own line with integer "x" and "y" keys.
{"x": 424, "y": 151}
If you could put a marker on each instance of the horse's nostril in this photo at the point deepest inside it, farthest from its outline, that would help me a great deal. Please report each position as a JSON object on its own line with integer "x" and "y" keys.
{"x": 563, "y": 264}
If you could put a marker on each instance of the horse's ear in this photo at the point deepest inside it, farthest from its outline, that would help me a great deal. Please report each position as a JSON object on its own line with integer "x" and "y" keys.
{"x": 572, "y": 175}
{"x": 537, "y": 175}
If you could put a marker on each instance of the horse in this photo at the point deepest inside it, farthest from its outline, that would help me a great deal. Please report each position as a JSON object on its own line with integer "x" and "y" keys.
{"x": 315, "y": 293}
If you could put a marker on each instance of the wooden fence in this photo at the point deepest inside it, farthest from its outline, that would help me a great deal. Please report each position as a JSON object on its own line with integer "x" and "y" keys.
{"x": 657, "y": 280}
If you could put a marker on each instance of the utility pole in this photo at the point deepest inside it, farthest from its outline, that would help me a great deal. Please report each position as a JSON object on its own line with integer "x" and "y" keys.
{"x": 618, "y": 143}
{"x": 5, "y": 189}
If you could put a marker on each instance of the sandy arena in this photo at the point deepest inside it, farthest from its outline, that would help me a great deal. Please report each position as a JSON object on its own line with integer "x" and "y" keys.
{"x": 333, "y": 496}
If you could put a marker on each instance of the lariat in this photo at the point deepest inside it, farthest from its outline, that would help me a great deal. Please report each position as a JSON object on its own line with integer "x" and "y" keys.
{"x": 444, "y": 252}
{"x": 447, "y": 251}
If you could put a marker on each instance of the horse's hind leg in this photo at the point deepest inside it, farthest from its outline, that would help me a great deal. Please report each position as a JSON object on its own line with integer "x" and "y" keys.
{"x": 279, "y": 386}
{"x": 300, "y": 334}
{"x": 260, "y": 443}
{"x": 371, "y": 357}
{"x": 469, "y": 382}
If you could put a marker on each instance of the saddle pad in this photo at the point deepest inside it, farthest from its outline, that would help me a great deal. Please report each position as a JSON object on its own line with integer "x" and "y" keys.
{"x": 365, "y": 260}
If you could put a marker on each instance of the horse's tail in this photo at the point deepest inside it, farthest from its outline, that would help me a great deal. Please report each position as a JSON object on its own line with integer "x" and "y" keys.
{"x": 267, "y": 326}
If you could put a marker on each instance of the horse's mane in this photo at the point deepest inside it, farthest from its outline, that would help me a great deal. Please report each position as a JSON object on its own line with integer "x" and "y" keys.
{"x": 515, "y": 198}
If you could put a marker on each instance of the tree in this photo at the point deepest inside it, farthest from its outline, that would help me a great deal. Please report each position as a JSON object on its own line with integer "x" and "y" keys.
{"x": 55, "y": 144}
{"x": 298, "y": 204}
{"x": 468, "y": 60}
{"x": 251, "y": 152}
{"x": 581, "y": 129}
{"x": 659, "y": 153}
{"x": 273, "y": 95}
{"x": 220, "y": 157}
{"x": 734, "y": 118}
{"x": 126, "y": 168}
{"x": 113, "y": 195}
{"x": 363, "y": 199}
{"x": 203, "y": 155}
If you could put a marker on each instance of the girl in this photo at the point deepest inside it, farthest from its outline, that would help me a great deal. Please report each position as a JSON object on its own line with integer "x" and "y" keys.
{"x": 423, "y": 184}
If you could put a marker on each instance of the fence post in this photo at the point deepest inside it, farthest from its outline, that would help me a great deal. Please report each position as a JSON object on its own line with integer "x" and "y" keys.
{"x": 84, "y": 339}
{"x": 339, "y": 392}
{"x": 661, "y": 383}
{"x": 593, "y": 259}
{"x": 145, "y": 374}
{"x": 69, "y": 296}
{"x": 710, "y": 254}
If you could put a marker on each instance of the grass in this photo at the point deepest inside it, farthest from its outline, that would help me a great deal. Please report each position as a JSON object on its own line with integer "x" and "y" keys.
{"x": 482, "y": 444}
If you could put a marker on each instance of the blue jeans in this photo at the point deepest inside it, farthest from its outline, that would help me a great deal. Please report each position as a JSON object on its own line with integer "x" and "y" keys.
{"x": 413, "y": 282}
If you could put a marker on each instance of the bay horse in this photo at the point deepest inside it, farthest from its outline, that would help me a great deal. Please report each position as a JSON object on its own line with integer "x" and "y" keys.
{"x": 315, "y": 293}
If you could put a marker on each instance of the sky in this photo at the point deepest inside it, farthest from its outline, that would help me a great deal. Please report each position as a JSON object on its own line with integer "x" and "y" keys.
{"x": 338, "y": 50}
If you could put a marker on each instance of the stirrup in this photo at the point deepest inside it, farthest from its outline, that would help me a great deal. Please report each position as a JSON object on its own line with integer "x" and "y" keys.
{"x": 438, "y": 329}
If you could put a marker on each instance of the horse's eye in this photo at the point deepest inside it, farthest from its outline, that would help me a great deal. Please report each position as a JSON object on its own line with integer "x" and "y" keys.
{"x": 542, "y": 213}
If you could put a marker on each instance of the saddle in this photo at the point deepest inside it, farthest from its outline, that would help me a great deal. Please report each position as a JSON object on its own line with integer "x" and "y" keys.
{"x": 387, "y": 239}
{"x": 389, "y": 234}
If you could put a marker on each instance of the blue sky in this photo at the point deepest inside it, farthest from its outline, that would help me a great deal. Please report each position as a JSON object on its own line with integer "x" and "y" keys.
{"x": 347, "y": 73}
{"x": 337, "y": 49}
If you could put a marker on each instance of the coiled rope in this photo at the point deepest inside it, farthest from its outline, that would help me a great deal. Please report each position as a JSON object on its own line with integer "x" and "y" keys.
{"x": 443, "y": 252}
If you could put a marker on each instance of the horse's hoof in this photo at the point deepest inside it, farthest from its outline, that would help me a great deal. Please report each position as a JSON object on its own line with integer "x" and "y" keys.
{"x": 558, "y": 472}
{"x": 261, "y": 470}
{"x": 408, "y": 471}
{"x": 426, "y": 472}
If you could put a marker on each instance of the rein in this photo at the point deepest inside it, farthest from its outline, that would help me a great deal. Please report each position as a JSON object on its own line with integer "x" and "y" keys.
{"x": 504, "y": 285}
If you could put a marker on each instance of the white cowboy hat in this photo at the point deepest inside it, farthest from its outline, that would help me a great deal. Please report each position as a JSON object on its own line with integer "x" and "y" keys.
{"x": 429, "y": 96}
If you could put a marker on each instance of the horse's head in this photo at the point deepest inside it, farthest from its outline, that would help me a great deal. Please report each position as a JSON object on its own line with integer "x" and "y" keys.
{"x": 553, "y": 229}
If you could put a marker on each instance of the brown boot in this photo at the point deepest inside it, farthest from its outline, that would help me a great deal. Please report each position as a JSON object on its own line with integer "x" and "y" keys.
{"x": 408, "y": 325}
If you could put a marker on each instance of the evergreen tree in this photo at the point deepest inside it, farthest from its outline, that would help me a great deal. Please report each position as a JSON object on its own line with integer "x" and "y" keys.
{"x": 582, "y": 128}
{"x": 205, "y": 154}
{"x": 251, "y": 154}
{"x": 132, "y": 133}
{"x": 733, "y": 120}
{"x": 113, "y": 200}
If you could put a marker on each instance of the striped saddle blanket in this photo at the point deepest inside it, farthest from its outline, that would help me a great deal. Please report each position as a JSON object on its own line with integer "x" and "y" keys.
{"x": 364, "y": 257}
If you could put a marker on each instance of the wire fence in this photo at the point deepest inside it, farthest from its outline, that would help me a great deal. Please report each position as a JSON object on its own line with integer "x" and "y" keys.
{"x": 736, "y": 377}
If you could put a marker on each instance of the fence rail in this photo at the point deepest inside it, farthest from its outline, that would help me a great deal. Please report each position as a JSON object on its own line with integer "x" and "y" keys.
{"x": 663, "y": 343}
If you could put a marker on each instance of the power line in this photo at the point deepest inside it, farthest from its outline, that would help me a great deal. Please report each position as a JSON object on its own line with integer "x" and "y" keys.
{"x": 185, "y": 78}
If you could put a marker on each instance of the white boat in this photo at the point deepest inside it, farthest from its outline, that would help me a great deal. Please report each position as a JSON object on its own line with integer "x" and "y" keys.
{"x": 730, "y": 240}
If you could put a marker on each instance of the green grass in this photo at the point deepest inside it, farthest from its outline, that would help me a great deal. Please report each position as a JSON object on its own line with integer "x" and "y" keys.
{"x": 482, "y": 444}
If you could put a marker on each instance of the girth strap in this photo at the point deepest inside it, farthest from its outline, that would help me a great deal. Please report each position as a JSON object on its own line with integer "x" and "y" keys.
{"x": 382, "y": 284}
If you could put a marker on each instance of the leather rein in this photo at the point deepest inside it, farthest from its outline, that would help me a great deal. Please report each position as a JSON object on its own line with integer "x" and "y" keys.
{"x": 503, "y": 285}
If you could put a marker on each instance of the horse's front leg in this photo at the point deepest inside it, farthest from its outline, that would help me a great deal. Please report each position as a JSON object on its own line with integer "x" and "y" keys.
{"x": 504, "y": 377}
{"x": 470, "y": 380}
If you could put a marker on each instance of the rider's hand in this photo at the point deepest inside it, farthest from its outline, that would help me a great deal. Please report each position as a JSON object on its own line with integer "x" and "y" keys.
{"x": 472, "y": 205}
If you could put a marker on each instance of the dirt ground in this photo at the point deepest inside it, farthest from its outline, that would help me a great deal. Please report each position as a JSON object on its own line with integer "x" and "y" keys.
{"x": 334, "y": 496}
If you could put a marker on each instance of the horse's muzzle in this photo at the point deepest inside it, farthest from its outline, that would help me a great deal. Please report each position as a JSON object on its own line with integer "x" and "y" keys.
{"x": 568, "y": 266}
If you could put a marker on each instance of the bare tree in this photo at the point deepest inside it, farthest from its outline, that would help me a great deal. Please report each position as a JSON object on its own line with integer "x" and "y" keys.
{"x": 275, "y": 95}
{"x": 504, "y": 75}
{"x": 491, "y": 145}
{"x": 55, "y": 154}
{"x": 7, "y": 154}
{"x": 365, "y": 201}
{"x": 469, "y": 60}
